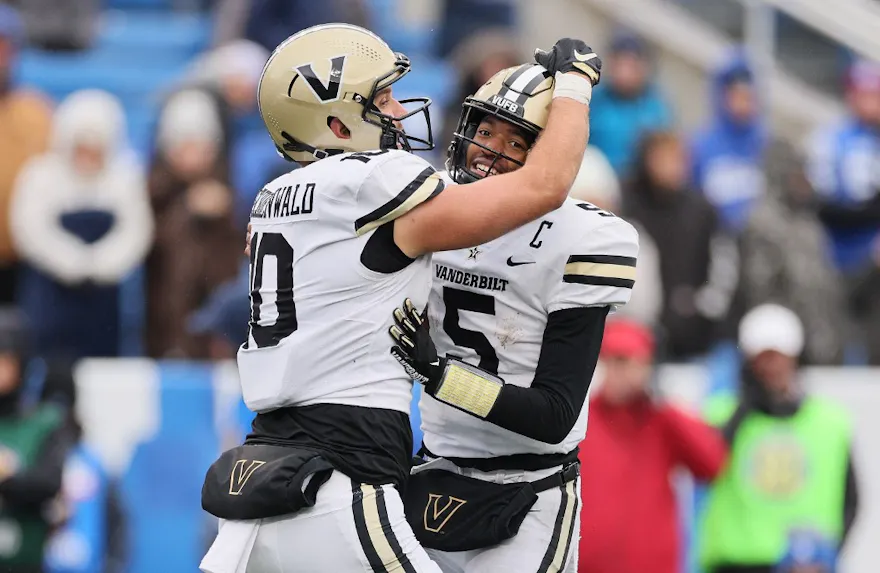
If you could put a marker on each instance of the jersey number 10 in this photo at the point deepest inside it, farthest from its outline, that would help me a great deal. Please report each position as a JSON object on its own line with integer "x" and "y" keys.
{"x": 269, "y": 326}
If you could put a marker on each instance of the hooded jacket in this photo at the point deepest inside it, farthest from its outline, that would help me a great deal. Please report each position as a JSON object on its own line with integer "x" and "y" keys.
{"x": 727, "y": 154}
{"x": 617, "y": 123}
{"x": 79, "y": 234}
{"x": 843, "y": 168}
{"x": 54, "y": 212}
{"x": 193, "y": 252}
{"x": 786, "y": 257}
{"x": 698, "y": 263}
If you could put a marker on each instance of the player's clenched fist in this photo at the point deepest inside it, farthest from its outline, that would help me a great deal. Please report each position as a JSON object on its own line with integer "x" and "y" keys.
{"x": 570, "y": 55}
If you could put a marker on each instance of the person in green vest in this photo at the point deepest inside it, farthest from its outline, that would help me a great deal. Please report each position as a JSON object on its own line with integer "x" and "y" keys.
{"x": 790, "y": 467}
{"x": 34, "y": 443}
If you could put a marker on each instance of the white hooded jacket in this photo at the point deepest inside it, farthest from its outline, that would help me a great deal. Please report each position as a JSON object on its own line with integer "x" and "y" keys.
{"x": 49, "y": 187}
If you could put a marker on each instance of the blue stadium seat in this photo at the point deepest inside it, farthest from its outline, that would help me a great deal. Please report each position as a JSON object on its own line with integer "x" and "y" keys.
{"x": 62, "y": 73}
{"x": 162, "y": 487}
{"x": 137, "y": 56}
{"x": 157, "y": 32}
{"x": 139, "y": 4}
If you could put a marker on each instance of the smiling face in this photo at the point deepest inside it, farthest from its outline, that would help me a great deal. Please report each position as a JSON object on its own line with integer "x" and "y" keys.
{"x": 501, "y": 137}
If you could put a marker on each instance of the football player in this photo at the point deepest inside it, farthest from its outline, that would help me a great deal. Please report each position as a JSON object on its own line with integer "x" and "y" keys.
{"x": 517, "y": 323}
{"x": 334, "y": 246}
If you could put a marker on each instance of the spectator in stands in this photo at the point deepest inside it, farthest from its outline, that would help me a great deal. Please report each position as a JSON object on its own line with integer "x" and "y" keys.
{"x": 34, "y": 442}
{"x": 727, "y": 154}
{"x": 477, "y": 59}
{"x": 790, "y": 464}
{"x": 229, "y": 75}
{"x": 197, "y": 240}
{"x": 786, "y": 258}
{"x": 82, "y": 223}
{"x": 698, "y": 262}
{"x": 597, "y": 183}
{"x": 844, "y": 167}
{"x": 60, "y": 25}
{"x": 25, "y": 121}
{"x": 627, "y": 104}
{"x": 629, "y": 520}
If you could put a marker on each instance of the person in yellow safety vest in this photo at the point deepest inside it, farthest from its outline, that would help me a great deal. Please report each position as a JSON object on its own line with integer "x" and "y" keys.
{"x": 790, "y": 464}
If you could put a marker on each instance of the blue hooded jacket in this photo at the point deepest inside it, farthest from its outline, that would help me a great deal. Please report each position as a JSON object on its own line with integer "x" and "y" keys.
{"x": 844, "y": 168}
{"x": 617, "y": 124}
{"x": 727, "y": 155}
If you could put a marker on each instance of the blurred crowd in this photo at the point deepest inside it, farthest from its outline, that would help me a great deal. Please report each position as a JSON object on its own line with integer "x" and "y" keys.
{"x": 729, "y": 216}
{"x": 98, "y": 240}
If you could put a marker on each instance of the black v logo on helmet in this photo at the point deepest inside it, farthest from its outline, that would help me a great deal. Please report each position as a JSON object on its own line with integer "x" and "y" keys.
{"x": 325, "y": 92}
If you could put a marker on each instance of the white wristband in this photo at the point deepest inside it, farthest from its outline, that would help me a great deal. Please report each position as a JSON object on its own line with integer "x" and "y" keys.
{"x": 573, "y": 86}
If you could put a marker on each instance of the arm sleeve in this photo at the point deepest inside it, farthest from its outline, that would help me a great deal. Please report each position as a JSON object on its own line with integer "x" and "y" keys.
{"x": 35, "y": 230}
{"x": 41, "y": 481}
{"x": 850, "y": 499}
{"x": 548, "y": 410}
{"x": 117, "y": 253}
{"x": 600, "y": 269}
{"x": 397, "y": 184}
{"x": 697, "y": 446}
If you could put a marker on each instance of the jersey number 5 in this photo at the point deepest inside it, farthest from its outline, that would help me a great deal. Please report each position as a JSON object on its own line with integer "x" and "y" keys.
{"x": 457, "y": 300}
{"x": 271, "y": 320}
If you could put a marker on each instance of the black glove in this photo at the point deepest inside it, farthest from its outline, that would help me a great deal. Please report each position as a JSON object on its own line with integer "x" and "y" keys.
{"x": 570, "y": 55}
{"x": 414, "y": 349}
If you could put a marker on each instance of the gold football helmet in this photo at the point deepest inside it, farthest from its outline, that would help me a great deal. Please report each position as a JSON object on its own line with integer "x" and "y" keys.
{"x": 519, "y": 95}
{"x": 335, "y": 70}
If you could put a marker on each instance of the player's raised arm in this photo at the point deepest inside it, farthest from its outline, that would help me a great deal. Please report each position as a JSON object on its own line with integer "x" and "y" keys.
{"x": 466, "y": 216}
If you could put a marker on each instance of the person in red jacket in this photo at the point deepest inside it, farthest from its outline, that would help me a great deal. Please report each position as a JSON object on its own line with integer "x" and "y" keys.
{"x": 629, "y": 517}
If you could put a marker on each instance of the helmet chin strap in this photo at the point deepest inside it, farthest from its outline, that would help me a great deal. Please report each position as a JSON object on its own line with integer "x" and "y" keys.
{"x": 300, "y": 147}
{"x": 389, "y": 140}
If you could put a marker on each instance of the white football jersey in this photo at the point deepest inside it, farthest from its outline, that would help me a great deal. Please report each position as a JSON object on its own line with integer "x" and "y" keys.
{"x": 320, "y": 317}
{"x": 489, "y": 306}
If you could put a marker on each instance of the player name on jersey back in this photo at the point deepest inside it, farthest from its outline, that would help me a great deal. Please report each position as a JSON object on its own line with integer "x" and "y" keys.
{"x": 284, "y": 201}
